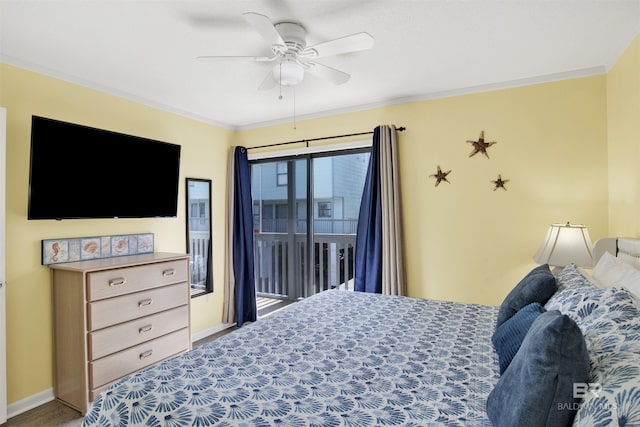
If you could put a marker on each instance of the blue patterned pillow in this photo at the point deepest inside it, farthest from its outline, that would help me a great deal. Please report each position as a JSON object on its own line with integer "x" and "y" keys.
{"x": 509, "y": 336}
{"x": 578, "y": 302}
{"x": 537, "y": 286}
{"x": 537, "y": 387}
{"x": 612, "y": 336}
{"x": 572, "y": 277}
{"x": 613, "y": 396}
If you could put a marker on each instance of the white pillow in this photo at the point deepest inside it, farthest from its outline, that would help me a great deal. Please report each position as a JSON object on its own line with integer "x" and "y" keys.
{"x": 626, "y": 247}
{"x": 611, "y": 272}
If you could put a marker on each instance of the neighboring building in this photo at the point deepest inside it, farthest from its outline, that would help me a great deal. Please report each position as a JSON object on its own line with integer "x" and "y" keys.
{"x": 338, "y": 182}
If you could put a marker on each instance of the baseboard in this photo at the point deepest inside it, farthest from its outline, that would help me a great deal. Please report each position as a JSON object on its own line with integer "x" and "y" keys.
{"x": 210, "y": 331}
{"x": 35, "y": 400}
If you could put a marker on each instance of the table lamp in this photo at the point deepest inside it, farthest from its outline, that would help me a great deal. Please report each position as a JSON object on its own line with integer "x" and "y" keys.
{"x": 565, "y": 244}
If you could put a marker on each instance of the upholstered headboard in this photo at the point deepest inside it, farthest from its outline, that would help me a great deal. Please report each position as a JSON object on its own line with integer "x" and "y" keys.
{"x": 624, "y": 248}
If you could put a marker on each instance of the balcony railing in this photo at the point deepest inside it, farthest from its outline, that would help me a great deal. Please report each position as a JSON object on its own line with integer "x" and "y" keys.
{"x": 322, "y": 226}
{"x": 199, "y": 224}
{"x": 199, "y": 250}
{"x": 283, "y": 274}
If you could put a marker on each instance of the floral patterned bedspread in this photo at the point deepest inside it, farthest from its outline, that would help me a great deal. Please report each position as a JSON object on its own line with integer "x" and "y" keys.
{"x": 338, "y": 358}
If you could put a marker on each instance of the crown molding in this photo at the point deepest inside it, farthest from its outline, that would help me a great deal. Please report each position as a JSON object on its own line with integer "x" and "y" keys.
{"x": 585, "y": 72}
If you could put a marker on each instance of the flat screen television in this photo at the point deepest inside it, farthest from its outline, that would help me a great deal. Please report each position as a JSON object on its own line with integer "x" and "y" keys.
{"x": 82, "y": 172}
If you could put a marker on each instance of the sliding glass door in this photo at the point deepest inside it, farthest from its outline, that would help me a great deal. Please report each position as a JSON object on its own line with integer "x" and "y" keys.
{"x": 279, "y": 192}
{"x": 305, "y": 212}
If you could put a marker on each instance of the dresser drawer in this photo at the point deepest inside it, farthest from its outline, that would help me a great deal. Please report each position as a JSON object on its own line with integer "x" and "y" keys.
{"x": 121, "y": 309}
{"x": 110, "y": 283}
{"x": 110, "y": 340}
{"x": 120, "y": 364}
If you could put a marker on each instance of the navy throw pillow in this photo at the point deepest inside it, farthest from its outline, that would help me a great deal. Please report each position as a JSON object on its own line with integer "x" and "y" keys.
{"x": 509, "y": 336}
{"x": 537, "y": 387}
{"x": 537, "y": 286}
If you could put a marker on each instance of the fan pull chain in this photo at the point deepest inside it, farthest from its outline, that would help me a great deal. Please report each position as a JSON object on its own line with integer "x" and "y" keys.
{"x": 280, "y": 97}
{"x": 294, "y": 98}
{"x": 294, "y": 108}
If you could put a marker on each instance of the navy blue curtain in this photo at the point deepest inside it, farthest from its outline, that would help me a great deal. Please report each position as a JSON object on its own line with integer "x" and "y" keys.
{"x": 368, "y": 262}
{"x": 245, "y": 285}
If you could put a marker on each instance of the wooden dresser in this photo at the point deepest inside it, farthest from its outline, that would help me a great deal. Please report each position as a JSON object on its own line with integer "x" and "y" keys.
{"x": 114, "y": 316}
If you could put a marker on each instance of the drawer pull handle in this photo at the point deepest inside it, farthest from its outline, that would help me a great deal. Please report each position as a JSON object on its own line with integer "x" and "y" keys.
{"x": 169, "y": 273}
{"x": 117, "y": 282}
{"x": 146, "y": 354}
{"x": 145, "y": 302}
{"x": 145, "y": 329}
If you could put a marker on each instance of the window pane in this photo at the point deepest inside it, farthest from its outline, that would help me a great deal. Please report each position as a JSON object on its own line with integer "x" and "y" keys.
{"x": 324, "y": 210}
{"x": 338, "y": 182}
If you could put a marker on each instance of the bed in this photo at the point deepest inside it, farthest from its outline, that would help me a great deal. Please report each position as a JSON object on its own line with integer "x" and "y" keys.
{"x": 343, "y": 358}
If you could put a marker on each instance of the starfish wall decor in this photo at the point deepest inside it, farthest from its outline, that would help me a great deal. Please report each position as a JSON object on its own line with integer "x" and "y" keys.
{"x": 500, "y": 183}
{"x": 480, "y": 146}
{"x": 440, "y": 176}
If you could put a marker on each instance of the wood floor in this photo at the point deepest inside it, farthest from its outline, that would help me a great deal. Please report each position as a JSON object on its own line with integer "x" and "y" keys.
{"x": 50, "y": 414}
{"x": 56, "y": 414}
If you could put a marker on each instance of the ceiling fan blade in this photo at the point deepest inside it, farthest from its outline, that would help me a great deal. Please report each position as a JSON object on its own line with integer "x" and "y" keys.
{"x": 331, "y": 74}
{"x": 235, "y": 58}
{"x": 346, "y": 44}
{"x": 267, "y": 30}
{"x": 268, "y": 83}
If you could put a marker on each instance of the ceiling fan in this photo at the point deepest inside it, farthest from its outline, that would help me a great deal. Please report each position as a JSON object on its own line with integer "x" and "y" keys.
{"x": 292, "y": 57}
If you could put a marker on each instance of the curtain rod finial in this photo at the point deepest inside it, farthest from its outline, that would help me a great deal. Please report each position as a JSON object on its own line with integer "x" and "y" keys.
{"x": 401, "y": 128}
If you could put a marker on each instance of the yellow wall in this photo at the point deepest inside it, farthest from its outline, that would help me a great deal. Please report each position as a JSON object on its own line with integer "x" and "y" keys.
{"x": 623, "y": 108}
{"x": 204, "y": 149}
{"x": 464, "y": 241}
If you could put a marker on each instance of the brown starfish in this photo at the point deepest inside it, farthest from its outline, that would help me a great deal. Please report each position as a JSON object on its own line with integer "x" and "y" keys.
{"x": 499, "y": 183}
{"x": 440, "y": 176}
{"x": 480, "y": 146}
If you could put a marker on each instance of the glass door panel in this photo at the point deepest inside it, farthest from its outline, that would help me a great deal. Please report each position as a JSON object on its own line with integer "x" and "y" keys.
{"x": 305, "y": 214}
{"x": 279, "y": 201}
{"x": 338, "y": 181}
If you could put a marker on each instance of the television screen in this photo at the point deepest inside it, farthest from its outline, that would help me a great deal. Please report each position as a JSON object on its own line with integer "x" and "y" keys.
{"x": 83, "y": 172}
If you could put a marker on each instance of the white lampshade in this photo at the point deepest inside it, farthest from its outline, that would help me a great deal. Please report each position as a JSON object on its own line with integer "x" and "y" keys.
{"x": 564, "y": 244}
{"x": 288, "y": 73}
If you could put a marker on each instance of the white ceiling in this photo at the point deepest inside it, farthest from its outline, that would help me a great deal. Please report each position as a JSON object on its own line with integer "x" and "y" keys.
{"x": 146, "y": 50}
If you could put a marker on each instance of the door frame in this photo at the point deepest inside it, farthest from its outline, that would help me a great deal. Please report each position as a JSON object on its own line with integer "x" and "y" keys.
{"x": 3, "y": 319}
{"x": 295, "y": 291}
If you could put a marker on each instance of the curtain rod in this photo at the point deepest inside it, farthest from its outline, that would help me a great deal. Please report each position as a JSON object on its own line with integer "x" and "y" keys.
{"x": 307, "y": 141}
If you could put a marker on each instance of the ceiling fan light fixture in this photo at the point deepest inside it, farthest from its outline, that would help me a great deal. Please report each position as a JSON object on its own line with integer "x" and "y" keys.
{"x": 288, "y": 73}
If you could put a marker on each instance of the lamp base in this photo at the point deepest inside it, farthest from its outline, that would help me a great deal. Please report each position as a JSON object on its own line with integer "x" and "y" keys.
{"x": 556, "y": 270}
